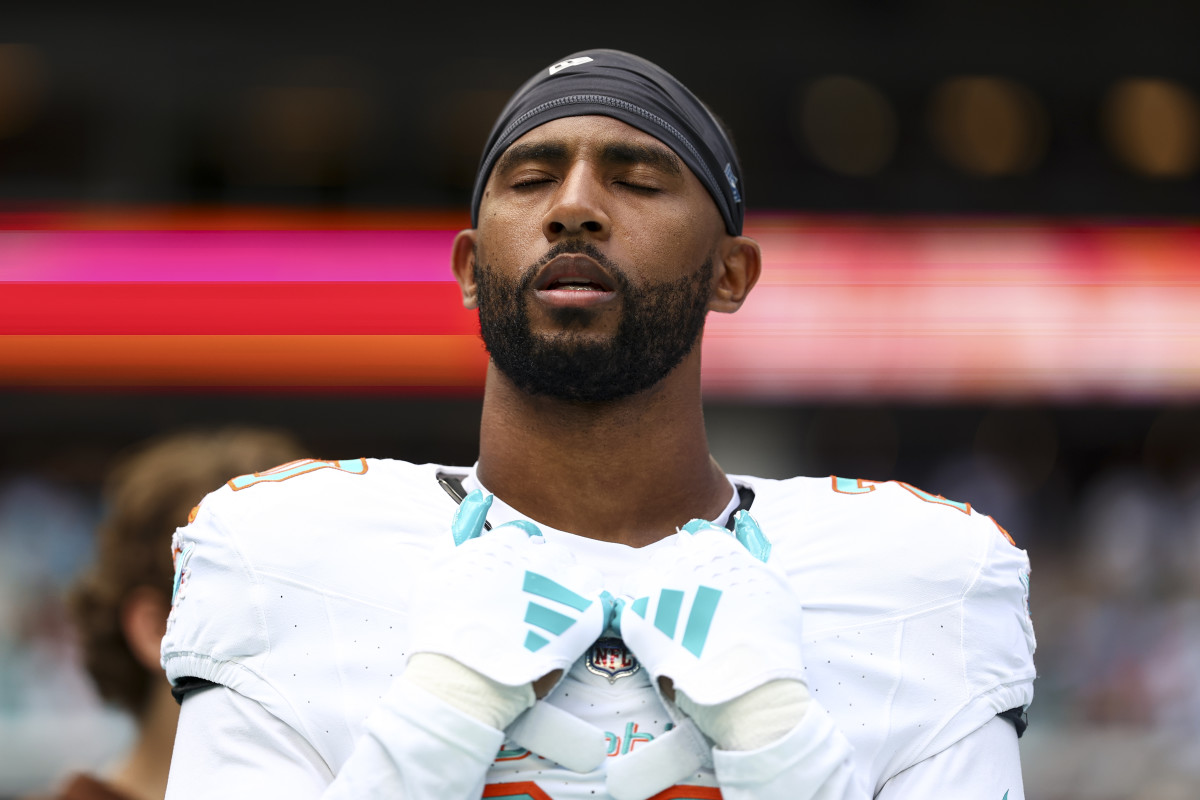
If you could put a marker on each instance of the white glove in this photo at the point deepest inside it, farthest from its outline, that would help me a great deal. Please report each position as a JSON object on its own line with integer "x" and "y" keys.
{"x": 509, "y": 605}
{"x": 725, "y": 629}
{"x": 509, "y": 608}
{"x": 712, "y": 618}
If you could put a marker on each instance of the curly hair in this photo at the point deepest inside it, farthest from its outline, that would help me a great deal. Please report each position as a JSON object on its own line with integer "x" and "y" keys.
{"x": 148, "y": 494}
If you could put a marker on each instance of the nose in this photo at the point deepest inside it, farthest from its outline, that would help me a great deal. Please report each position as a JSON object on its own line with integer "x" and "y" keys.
{"x": 578, "y": 207}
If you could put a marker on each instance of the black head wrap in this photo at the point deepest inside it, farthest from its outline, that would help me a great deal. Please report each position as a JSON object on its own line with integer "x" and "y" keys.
{"x": 616, "y": 84}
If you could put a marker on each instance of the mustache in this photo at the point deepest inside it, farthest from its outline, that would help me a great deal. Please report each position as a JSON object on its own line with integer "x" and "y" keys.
{"x": 575, "y": 247}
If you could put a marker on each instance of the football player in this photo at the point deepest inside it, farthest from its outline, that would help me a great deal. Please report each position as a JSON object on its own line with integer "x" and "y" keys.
{"x": 594, "y": 609}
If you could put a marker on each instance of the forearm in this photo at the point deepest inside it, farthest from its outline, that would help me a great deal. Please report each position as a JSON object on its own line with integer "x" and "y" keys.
{"x": 987, "y": 763}
{"x": 228, "y": 745}
{"x": 414, "y": 746}
{"x": 812, "y": 761}
{"x": 417, "y": 745}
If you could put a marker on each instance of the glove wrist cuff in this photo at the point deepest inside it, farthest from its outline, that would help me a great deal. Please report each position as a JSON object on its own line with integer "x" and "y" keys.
{"x": 755, "y": 719}
{"x": 492, "y": 703}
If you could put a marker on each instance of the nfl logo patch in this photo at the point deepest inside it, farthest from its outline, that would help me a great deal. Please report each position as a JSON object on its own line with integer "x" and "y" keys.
{"x": 609, "y": 657}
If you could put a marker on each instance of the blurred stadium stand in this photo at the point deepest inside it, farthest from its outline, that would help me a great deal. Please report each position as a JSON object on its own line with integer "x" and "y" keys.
{"x": 1065, "y": 107}
{"x": 1003, "y": 117}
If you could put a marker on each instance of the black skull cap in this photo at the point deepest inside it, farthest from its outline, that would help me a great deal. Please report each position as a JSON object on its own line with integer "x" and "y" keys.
{"x": 613, "y": 83}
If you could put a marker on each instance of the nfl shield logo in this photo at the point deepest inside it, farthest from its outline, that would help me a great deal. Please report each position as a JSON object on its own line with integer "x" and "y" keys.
{"x": 610, "y": 658}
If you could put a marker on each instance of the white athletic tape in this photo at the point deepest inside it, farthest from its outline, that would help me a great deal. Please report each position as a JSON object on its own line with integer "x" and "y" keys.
{"x": 559, "y": 736}
{"x": 657, "y": 765}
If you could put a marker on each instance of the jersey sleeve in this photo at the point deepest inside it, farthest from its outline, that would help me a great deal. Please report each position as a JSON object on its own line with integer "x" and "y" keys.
{"x": 414, "y": 745}
{"x": 996, "y": 647}
{"x": 216, "y": 631}
{"x": 293, "y": 589}
{"x": 916, "y": 613}
{"x": 228, "y": 745}
{"x": 987, "y": 763}
{"x": 247, "y": 615}
{"x": 814, "y": 761}
{"x": 250, "y": 615}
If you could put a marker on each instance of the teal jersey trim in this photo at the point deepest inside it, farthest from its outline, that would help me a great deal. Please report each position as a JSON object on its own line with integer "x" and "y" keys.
{"x": 851, "y": 486}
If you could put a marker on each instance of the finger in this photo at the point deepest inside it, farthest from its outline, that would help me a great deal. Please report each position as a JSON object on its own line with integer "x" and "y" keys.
{"x": 614, "y": 614}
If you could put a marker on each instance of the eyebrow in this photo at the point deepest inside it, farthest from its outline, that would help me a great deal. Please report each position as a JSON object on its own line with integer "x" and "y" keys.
{"x": 530, "y": 151}
{"x": 627, "y": 153}
{"x": 620, "y": 153}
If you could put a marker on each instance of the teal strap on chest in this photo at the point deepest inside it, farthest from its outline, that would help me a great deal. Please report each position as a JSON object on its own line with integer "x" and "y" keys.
{"x": 453, "y": 486}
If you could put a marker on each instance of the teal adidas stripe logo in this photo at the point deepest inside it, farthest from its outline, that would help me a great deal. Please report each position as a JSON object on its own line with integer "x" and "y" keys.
{"x": 669, "y": 607}
{"x": 548, "y": 619}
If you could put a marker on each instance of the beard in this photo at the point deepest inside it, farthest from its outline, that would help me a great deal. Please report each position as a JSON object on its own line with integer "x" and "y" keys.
{"x": 660, "y": 324}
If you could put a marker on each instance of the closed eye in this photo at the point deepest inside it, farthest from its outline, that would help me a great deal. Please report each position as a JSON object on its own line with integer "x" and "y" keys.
{"x": 525, "y": 183}
{"x": 639, "y": 187}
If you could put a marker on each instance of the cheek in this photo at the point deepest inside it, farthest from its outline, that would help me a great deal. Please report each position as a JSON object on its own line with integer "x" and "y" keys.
{"x": 669, "y": 239}
{"x": 511, "y": 229}
{"x": 497, "y": 240}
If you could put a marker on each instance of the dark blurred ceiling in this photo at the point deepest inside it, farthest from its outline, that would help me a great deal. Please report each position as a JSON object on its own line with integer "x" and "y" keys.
{"x": 1016, "y": 107}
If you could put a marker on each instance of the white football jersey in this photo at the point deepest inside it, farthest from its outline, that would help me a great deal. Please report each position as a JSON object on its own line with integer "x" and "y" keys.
{"x": 292, "y": 589}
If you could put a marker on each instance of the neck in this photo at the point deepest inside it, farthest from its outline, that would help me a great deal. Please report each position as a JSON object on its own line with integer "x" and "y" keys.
{"x": 628, "y": 471}
{"x": 143, "y": 774}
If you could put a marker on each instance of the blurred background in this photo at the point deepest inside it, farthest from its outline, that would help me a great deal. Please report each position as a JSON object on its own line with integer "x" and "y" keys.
{"x": 982, "y": 278}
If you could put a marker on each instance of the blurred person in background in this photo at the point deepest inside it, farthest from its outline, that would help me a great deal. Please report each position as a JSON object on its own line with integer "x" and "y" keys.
{"x": 120, "y": 604}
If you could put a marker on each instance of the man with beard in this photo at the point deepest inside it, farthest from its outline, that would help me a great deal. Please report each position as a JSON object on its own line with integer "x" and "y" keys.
{"x": 595, "y": 609}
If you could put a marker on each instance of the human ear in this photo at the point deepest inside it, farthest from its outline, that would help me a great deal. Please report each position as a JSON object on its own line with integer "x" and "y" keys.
{"x": 144, "y": 621}
{"x": 462, "y": 264}
{"x": 736, "y": 274}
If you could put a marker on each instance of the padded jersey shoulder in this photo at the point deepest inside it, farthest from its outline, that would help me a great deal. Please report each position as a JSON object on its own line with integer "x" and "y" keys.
{"x": 880, "y": 545}
{"x": 306, "y": 515}
{"x": 310, "y": 484}
{"x": 916, "y": 611}
{"x": 349, "y": 529}
{"x": 293, "y": 588}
